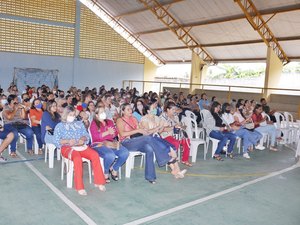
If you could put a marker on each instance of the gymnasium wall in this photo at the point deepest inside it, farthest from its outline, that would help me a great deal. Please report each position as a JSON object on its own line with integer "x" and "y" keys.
{"x": 64, "y": 35}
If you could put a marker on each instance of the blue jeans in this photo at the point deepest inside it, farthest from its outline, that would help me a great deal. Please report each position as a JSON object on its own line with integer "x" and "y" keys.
{"x": 27, "y": 132}
{"x": 245, "y": 135}
{"x": 254, "y": 137}
{"x": 270, "y": 129}
{"x": 223, "y": 137}
{"x": 109, "y": 156}
{"x": 149, "y": 146}
{"x": 5, "y": 132}
{"x": 38, "y": 134}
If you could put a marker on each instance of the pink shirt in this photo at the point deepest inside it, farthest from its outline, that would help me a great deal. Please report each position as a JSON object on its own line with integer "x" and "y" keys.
{"x": 96, "y": 133}
{"x": 129, "y": 125}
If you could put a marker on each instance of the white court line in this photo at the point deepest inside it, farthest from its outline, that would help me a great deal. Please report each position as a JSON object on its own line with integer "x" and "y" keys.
{"x": 68, "y": 202}
{"x": 207, "y": 198}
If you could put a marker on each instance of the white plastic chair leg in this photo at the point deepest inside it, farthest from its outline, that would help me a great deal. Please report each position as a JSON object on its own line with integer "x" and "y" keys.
{"x": 35, "y": 145}
{"x": 128, "y": 166}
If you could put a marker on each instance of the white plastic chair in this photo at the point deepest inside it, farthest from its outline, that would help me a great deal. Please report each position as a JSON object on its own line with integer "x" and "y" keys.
{"x": 50, "y": 149}
{"x": 70, "y": 170}
{"x": 195, "y": 142}
{"x": 190, "y": 114}
{"x": 204, "y": 113}
{"x": 298, "y": 150}
{"x": 130, "y": 162}
{"x": 291, "y": 125}
{"x": 35, "y": 143}
{"x": 281, "y": 126}
{"x": 101, "y": 159}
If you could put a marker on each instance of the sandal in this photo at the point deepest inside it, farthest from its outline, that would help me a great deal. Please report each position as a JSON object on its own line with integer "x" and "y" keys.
{"x": 273, "y": 149}
{"x": 187, "y": 163}
{"x": 102, "y": 188}
{"x": 107, "y": 179}
{"x": 172, "y": 161}
{"x": 230, "y": 155}
{"x": 13, "y": 155}
{"x": 30, "y": 152}
{"x": 82, "y": 192}
{"x": 114, "y": 175}
{"x": 180, "y": 174}
{"x": 219, "y": 158}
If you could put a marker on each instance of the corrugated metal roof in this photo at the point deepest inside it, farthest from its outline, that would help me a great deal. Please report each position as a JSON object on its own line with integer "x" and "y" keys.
{"x": 218, "y": 25}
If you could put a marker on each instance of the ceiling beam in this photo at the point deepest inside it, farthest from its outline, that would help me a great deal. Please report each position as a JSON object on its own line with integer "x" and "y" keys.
{"x": 296, "y": 58}
{"x": 228, "y": 18}
{"x": 258, "y": 23}
{"x": 183, "y": 34}
{"x": 145, "y": 9}
{"x": 292, "y": 38}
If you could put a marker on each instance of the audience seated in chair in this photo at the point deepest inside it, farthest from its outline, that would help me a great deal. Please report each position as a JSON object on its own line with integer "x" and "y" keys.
{"x": 72, "y": 138}
{"x": 105, "y": 142}
{"x": 16, "y": 120}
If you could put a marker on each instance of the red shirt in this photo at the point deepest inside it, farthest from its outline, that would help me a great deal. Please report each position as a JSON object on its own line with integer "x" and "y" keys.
{"x": 256, "y": 119}
{"x": 38, "y": 116}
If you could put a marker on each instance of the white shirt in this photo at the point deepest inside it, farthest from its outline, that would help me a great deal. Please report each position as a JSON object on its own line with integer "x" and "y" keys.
{"x": 239, "y": 116}
{"x": 228, "y": 118}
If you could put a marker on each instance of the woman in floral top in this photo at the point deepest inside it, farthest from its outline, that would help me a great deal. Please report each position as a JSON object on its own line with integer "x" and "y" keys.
{"x": 172, "y": 123}
{"x": 72, "y": 137}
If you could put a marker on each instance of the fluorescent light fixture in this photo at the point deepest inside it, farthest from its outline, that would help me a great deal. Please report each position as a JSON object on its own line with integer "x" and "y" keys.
{"x": 120, "y": 29}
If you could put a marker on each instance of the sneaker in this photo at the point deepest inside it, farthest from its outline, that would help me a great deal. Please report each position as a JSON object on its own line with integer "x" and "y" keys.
{"x": 260, "y": 147}
{"x": 2, "y": 159}
{"x": 246, "y": 155}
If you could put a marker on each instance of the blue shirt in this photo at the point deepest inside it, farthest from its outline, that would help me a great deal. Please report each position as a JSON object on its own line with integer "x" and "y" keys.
{"x": 47, "y": 121}
{"x": 203, "y": 102}
{"x": 74, "y": 130}
{"x": 137, "y": 116}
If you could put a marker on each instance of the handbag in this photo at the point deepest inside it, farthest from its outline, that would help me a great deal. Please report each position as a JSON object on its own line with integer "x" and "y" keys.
{"x": 136, "y": 135}
{"x": 249, "y": 126}
{"x": 133, "y": 135}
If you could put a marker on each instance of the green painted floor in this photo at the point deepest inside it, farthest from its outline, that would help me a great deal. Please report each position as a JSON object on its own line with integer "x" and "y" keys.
{"x": 25, "y": 199}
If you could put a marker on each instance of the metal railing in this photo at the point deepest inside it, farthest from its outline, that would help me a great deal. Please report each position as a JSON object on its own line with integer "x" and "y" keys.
{"x": 158, "y": 86}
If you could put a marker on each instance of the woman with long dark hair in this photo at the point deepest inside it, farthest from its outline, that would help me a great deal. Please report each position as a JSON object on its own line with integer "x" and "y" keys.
{"x": 104, "y": 134}
{"x": 262, "y": 125}
{"x": 35, "y": 116}
{"x": 139, "y": 109}
{"x": 139, "y": 139}
{"x": 172, "y": 123}
{"x": 218, "y": 130}
{"x": 50, "y": 119}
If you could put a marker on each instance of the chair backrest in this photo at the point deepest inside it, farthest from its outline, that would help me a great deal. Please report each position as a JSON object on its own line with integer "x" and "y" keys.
{"x": 266, "y": 115}
{"x": 191, "y": 126}
{"x": 28, "y": 116}
{"x": 288, "y": 118}
{"x": 190, "y": 114}
{"x": 280, "y": 120}
{"x": 204, "y": 115}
